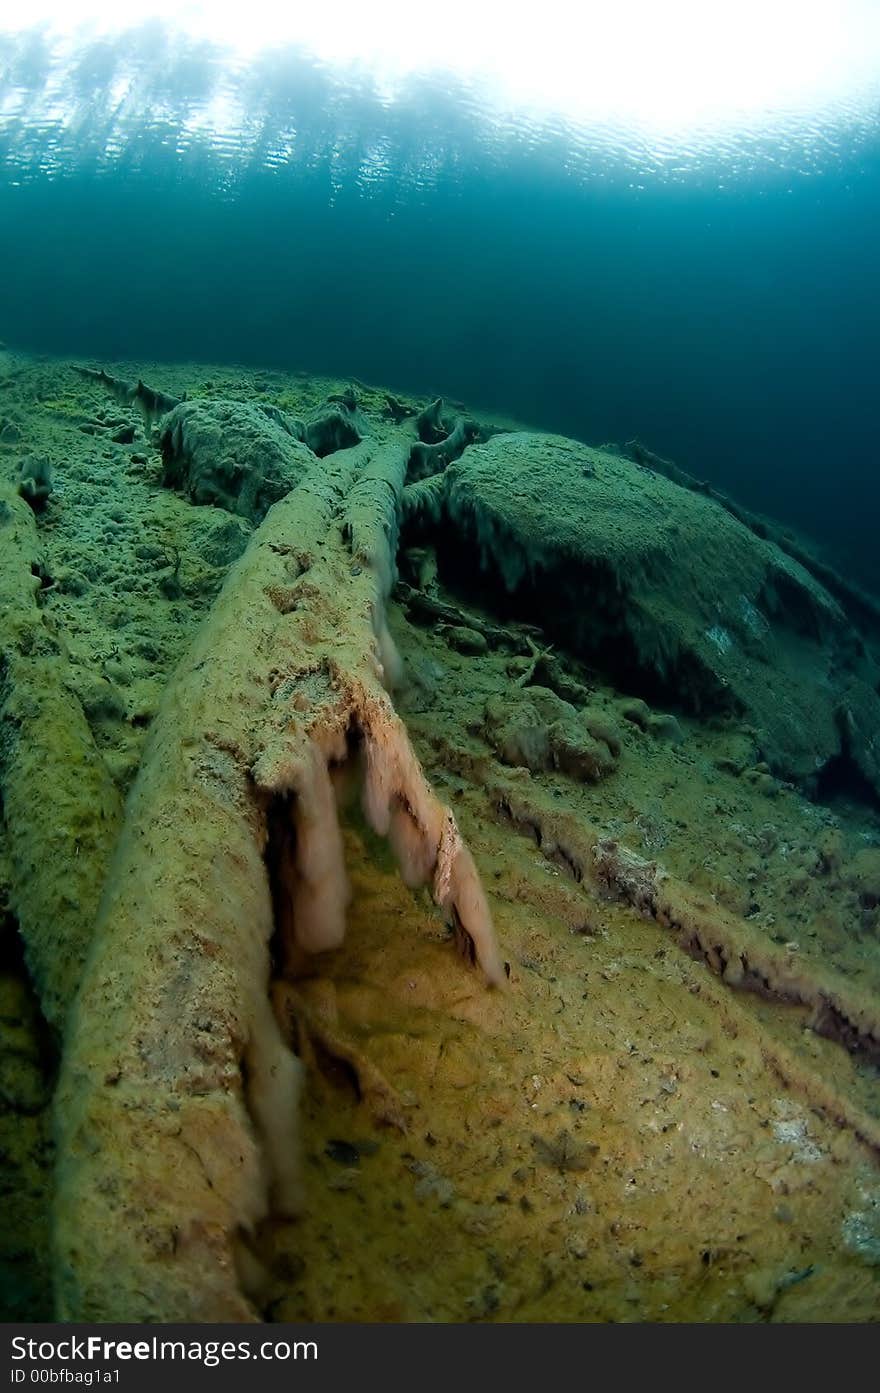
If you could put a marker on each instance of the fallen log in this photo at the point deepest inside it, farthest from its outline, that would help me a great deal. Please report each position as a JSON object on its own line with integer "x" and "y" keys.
{"x": 177, "y": 1106}
{"x": 60, "y": 808}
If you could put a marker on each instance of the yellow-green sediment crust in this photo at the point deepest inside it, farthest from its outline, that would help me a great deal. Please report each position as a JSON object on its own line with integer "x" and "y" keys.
{"x": 624, "y": 1133}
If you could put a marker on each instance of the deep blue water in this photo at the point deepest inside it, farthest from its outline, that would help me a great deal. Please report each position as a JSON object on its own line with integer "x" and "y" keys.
{"x": 726, "y": 312}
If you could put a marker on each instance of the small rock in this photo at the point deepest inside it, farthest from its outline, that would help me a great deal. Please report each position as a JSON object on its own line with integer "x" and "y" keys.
{"x": 100, "y": 700}
{"x": 344, "y": 1153}
{"x": 637, "y": 712}
{"x": 432, "y": 1185}
{"x": 71, "y": 582}
{"x": 118, "y": 671}
{"x": 665, "y": 727}
{"x": 468, "y": 641}
{"x": 762, "y": 781}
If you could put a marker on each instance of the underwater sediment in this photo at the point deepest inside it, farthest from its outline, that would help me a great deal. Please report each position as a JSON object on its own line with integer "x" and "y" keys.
{"x": 306, "y": 685}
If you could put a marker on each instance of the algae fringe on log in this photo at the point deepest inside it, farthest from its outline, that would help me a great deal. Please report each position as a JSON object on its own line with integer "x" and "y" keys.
{"x": 177, "y": 1104}
{"x": 153, "y": 404}
{"x": 60, "y": 807}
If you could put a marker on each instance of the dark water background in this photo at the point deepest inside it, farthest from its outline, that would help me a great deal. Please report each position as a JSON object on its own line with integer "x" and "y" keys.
{"x": 725, "y": 309}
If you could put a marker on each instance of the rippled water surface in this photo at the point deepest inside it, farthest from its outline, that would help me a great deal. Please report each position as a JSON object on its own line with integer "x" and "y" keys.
{"x": 85, "y": 101}
{"x": 711, "y": 287}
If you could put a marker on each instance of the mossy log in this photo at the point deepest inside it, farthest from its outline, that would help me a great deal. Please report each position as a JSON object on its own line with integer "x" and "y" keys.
{"x": 177, "y": 1106}
{"x": 60, "y": 807}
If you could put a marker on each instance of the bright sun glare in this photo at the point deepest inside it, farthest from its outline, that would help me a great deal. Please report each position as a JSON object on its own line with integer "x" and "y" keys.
{"x": 666, "y": 66}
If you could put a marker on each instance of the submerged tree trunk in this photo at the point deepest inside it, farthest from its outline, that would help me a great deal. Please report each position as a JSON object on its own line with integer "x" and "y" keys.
{"x": 177, "y": 1106}
{"x": 59, "y": 805}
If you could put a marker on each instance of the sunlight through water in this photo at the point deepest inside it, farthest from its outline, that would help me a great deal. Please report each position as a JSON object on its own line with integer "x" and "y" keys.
{"x": 660, "y": 85}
